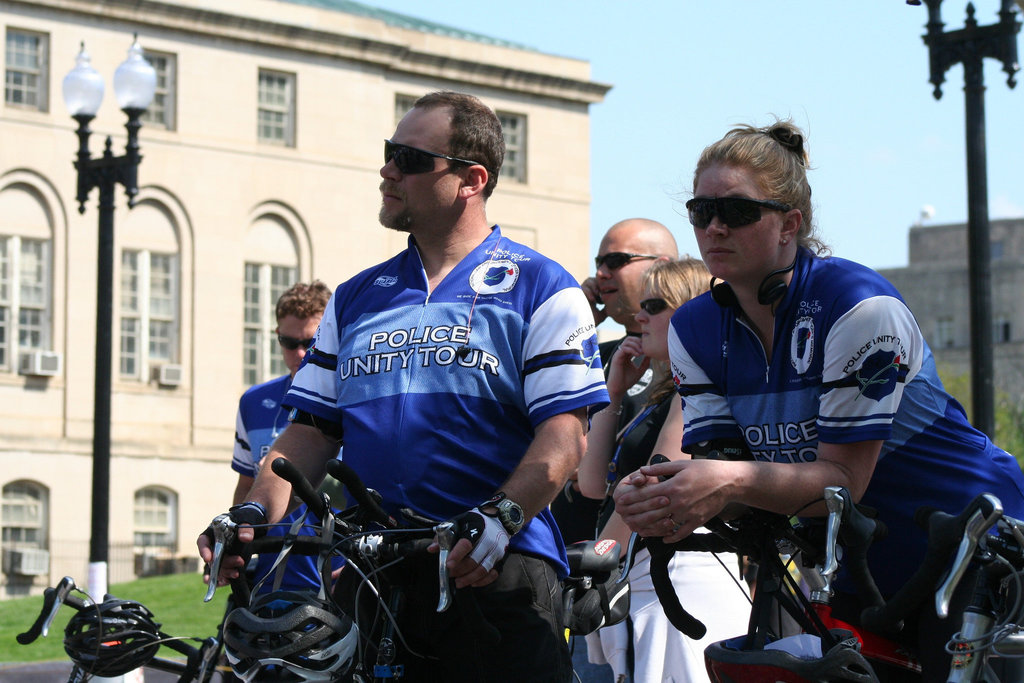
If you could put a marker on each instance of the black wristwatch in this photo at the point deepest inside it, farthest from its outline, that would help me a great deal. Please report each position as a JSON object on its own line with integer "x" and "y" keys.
{"x": 508, "y": 512}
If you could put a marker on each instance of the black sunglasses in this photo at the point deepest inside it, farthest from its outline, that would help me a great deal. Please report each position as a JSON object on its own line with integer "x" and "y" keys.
{"x": 411, "y": 160}
{"x": 291, "y": 343}
{"x": 614, "y": 260}
{"x": 653, "y": 306}
{"x": 734, "y": 212}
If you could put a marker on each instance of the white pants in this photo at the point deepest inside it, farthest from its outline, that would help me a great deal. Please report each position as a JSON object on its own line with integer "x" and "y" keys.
{"x": 661, "y": 653}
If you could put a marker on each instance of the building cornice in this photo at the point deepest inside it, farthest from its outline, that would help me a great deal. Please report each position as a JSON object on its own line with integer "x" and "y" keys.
{"x": 387, "y": 52}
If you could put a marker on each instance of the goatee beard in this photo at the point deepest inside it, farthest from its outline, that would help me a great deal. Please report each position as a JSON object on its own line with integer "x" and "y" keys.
{"x": 401, "y": 222}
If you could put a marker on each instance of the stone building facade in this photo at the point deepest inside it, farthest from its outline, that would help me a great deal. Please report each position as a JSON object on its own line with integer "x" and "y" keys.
{"x": 935, "y": 286}
{"x": 261, "y": 158}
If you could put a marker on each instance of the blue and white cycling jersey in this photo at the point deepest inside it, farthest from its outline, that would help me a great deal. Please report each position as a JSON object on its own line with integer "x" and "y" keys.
{"x": 849, "y": 364}
{"x": 260, "y": 419}
{"x": 438, "y": 393}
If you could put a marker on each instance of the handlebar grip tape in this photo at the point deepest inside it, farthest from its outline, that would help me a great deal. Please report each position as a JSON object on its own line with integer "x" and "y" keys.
{"x": 300, "y": 485}
{"x": 683, "y": 621}
{"x": 944, "y": 534}
{"x": 344, "y": 473}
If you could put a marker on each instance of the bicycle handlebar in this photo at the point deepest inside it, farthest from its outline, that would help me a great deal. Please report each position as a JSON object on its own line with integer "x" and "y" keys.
{"x": 53, "y": 598}
{"x": 945, "y": 532}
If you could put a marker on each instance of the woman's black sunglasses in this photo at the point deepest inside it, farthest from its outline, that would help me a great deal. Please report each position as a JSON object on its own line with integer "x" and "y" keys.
{"x": 614, "y": 260}
{"x": 735, "y": 212}
{"x": 653, "y": 306}
{"x": 411, "y": 160}
{"x": 291, "y": 343}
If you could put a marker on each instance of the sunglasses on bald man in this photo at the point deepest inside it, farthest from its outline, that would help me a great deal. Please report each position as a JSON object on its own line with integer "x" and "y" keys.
{"x": 614, "y": 260}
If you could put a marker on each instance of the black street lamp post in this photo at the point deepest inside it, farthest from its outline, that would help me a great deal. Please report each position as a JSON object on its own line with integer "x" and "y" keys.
{"x": 970, "y": 46}
{"x": 134, "y": 85}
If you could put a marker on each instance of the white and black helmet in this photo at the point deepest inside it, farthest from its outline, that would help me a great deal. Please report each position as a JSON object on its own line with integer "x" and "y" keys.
{"x": 289, "y": 636}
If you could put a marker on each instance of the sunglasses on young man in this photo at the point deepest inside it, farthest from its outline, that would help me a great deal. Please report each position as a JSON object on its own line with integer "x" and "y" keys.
{"x": 291, "y": 343}
{"x": 411, "y": 160}
{"x": 653, "y": 306}
{"x": 735, "y": 212}
{"x": 614, "y": 260}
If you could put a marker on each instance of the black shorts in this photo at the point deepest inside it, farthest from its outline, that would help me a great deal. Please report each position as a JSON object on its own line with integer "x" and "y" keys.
{"x": 521, "y": 637}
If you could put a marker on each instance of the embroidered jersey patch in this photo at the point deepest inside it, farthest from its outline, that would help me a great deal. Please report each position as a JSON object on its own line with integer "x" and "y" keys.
{"x": 268, "y": 403}
{"x": 494, "y": 277}
{"x": 878, "y": 375}
{"x": 385, "y": 281}
{"x": 801, "y": 345}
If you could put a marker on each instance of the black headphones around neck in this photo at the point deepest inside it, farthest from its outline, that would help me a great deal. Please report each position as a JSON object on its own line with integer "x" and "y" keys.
{"x": 768, "y": 293}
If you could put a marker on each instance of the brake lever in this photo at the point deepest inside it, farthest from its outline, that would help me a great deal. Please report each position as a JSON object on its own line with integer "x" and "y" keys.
{"x": 836, "y": 504}
{"x": 445, "y": 532}
{"x": 224, "y": 531}
{"x": 977, "y": 524}
{"x": 631, "y": 548}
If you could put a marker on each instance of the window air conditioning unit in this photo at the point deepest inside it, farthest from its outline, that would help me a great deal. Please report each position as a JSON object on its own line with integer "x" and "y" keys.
{"x": 26, "y": 561}
{"x": 169, "y": 375}
{"x": 41, "y": 363}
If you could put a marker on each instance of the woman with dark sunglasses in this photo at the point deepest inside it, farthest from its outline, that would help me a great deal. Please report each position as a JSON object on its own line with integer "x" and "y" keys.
{"x": 817, "y": 368}
{"x": 702, "y": 580}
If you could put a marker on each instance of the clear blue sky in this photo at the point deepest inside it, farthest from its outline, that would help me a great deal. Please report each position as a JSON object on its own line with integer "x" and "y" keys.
{"x": 854, "y": 75}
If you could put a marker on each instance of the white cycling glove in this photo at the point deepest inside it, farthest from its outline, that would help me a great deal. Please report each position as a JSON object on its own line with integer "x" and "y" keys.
{"x": 486, "y": 533}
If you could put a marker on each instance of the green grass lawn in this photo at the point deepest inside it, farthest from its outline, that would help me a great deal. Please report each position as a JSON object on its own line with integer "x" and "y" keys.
{"x": 176, "y": 602}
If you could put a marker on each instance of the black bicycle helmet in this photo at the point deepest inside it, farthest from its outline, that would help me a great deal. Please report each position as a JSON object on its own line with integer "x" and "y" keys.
{"x": 289, "y": 636}
{"x": 112, "y": 638}
{"x": 727, "y": 663}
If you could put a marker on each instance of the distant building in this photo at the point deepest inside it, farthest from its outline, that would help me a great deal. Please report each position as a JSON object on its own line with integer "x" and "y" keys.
{"x": 935, "y": 286}
{"x": 261, "y": 157}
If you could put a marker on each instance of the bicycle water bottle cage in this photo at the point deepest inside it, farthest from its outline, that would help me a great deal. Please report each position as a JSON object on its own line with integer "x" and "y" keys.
{"x": 112, "y": 638}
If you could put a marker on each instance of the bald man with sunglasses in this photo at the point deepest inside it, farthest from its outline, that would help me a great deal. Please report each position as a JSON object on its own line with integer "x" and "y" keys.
{"x": 627, "y": 250}
{"x": 459, "y": 374}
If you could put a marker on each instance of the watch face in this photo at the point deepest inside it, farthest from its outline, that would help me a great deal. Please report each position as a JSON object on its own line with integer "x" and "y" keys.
{"x": 511, "y": 515}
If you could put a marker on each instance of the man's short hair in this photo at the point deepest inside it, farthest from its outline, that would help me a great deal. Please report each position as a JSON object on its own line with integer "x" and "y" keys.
{"x": 304, "y": 300}
{"x": 476, "y": 131}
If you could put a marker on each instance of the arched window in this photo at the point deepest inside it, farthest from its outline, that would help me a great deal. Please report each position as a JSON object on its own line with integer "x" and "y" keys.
{"x": 26, "y": 276}
{"x": 150, "y": 292}
{"x": 271, "y": 267}
{"x": 24, "y": 515}
{"x": 156, "y": 518}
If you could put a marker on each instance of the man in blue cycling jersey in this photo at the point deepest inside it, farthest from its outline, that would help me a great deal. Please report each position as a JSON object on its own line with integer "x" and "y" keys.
{"x": 459, "y": 375}
{"x": 261, "y": 418}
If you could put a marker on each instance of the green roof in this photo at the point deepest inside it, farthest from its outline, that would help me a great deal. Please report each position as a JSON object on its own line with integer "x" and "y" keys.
{"x": 406, "y": 21}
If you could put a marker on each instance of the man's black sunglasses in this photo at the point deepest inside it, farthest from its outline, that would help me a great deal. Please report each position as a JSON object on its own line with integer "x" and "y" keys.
{"x": 734, "y": 212}
{"x": 614, "y": 260}
{"x": 291, "y": 343}
{"x": 653, "y": 306}
{"x": 411, "y": 160}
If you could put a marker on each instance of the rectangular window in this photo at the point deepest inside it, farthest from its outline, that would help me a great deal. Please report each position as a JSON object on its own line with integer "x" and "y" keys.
{"x": 162, "y": 109}
{"x": 149, "y": 312}
{"x": 1001, "y": 331}
{"x": 25, "y": 76}
{"x": 403, "y": 103}
{"x": 944, "y": 338}
{"x": 276, "y": 114}
{"x": 261, "y": 355}
{"x": 513, "y": 129}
